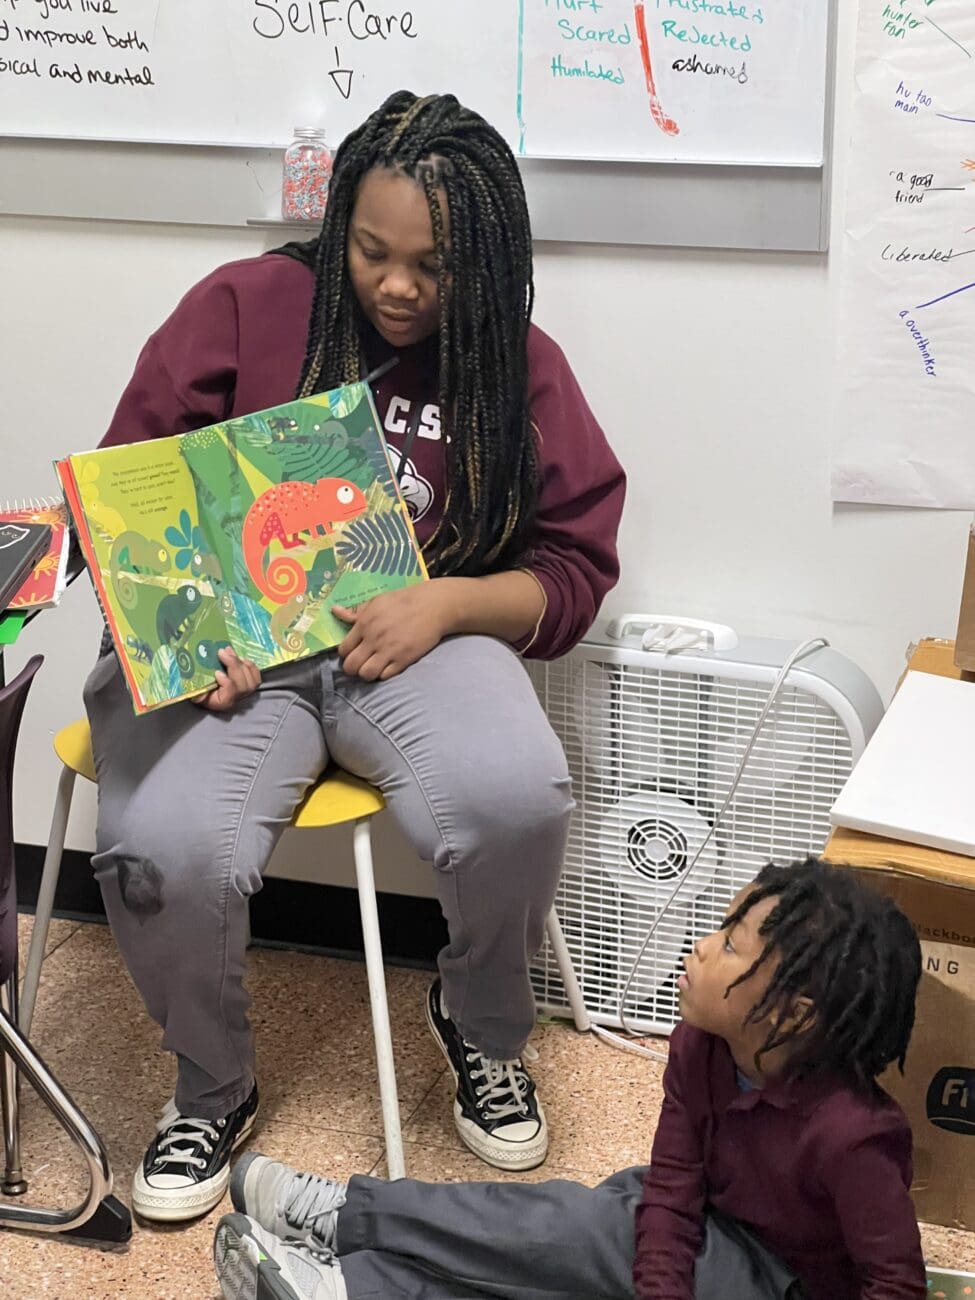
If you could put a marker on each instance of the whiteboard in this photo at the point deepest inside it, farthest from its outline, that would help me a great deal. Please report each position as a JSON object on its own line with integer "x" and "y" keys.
{"x": 694, "y": 81}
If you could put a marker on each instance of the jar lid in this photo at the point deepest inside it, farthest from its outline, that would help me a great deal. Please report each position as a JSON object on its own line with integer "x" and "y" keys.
{"x": 309, "y": 132}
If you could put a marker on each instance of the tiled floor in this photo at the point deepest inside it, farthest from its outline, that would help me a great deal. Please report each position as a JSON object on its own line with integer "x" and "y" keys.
{"x": 319, "y": 1106}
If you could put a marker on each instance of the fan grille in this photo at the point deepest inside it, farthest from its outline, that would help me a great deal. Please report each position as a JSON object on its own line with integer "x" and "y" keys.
{"x": 641, "y": 741}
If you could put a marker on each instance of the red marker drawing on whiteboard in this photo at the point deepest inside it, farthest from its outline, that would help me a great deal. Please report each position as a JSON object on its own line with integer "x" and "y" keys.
{"x": 666, "y": 124}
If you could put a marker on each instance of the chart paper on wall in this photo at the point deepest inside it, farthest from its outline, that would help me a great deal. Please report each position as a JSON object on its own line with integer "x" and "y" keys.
{"x": 905, "y": 426}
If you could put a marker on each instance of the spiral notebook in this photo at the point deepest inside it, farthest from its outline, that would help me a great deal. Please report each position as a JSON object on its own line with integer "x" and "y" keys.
{"x": 44, "y": 582}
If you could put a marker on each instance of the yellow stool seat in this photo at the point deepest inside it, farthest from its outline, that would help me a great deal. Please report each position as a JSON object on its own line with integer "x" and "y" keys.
{"x": 336, "y": 799}
{"x": 72, "y": 745}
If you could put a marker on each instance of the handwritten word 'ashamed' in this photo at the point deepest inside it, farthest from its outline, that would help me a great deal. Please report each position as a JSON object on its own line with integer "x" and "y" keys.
{"x": 694, "y": 64}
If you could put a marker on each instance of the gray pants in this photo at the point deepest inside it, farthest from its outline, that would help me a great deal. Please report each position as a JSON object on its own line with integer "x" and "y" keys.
{"x": 546, "y": 1241}
{"x": 192, "y": 803}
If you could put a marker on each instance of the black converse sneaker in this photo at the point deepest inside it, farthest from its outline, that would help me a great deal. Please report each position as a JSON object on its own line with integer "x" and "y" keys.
{"x": 186, "y": 1169}
{"x": 497, "y": 1113}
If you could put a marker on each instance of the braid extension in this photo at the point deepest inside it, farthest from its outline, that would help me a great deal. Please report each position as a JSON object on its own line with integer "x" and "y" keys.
{"x": 852, "y": 953}
{"x": 485, "y": 292}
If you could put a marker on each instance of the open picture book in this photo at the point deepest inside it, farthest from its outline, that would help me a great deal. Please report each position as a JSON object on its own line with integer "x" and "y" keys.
{"x": 245, "y": 534}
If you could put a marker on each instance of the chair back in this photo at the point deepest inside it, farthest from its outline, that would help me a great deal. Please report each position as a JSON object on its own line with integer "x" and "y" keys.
{"x": 12, "y": 701}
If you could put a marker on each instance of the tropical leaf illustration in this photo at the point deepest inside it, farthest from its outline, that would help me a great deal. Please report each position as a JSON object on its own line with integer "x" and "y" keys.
{"x": 327, "y": 454}
{"x": 378, "y": 545}
{"x": 165, "y": 681}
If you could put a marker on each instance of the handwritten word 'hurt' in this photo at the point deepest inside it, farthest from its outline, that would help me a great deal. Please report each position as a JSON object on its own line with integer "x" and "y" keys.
{"x": 315, "y": 17}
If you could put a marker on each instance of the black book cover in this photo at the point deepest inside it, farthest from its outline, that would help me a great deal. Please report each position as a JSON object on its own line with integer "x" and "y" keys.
{"x": 21, "y": 546}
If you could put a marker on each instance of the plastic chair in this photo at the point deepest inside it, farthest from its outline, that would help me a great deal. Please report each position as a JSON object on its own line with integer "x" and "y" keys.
{"x": 338, "y": 798}
{"x": 100, "y": 1217}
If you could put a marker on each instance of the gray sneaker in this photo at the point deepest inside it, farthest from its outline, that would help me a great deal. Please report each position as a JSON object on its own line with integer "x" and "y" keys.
{"x": 252, "y": 1263}
{"x": 291, "y": 1205}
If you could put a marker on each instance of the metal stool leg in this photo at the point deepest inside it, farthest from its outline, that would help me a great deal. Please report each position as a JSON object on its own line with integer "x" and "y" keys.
{"x": 362, "y": 846}
{"x": 99, "y": 1217}
{"x": 567, "y": 971}
{"x": 45, "y": 898}
{"x": 13, "y": 1177}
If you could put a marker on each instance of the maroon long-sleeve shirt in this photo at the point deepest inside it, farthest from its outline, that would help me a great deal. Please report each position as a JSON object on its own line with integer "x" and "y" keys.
{"x": 235, "y": 344}
{"x": 819, "y": 1172}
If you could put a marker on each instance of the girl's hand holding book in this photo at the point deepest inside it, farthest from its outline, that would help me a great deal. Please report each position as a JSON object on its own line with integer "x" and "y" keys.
{"x": 241, "y": 678}
{"x": 394, "y": 630}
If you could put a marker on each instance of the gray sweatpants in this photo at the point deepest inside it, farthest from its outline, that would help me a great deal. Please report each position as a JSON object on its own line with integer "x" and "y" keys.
{"x": 556, "y": 1240}
{"x": 192, "y": 803}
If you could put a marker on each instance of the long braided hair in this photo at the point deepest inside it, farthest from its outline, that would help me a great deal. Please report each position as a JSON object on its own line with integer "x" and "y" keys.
{"x": 485, "y": 293}
{"x": 852, "y": 953}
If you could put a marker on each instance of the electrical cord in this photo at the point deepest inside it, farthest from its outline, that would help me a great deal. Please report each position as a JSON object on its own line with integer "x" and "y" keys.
{"x": 807, "y": 647}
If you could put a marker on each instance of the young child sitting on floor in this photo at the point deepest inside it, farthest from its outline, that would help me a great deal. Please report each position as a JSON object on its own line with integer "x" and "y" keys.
{"x": 779, "y": 1169}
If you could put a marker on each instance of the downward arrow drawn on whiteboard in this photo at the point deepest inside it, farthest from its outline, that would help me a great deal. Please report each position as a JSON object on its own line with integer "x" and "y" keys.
{"x": 343, "y": 81}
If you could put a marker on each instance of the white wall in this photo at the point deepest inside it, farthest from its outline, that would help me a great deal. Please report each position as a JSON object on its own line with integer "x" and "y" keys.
{"x": 713, "y": 374}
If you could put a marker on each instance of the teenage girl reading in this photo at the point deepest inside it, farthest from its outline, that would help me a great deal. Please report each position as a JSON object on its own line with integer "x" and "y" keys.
{"x": 425, "y": 256}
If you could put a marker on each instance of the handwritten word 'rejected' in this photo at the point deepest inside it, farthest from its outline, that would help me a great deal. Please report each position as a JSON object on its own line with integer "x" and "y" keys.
{"x": 694, "y": 36}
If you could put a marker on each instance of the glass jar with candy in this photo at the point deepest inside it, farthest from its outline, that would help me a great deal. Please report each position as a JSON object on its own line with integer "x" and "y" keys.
{"x": 307, "y": 174}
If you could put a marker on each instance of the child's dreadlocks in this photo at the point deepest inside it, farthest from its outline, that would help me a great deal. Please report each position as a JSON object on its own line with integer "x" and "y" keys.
{"x": 486, "y": 294}
{"x": 852, "y": 953}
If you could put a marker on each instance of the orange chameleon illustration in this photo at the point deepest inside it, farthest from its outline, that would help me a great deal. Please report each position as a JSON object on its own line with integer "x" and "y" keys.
{"x": 282, "y": 514}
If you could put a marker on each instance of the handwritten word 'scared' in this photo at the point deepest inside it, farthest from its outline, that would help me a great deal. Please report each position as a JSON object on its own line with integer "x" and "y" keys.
{"x": 694, "y": 36}
{"x": 317, "y": 17}
{"x": 694, "y": 64}
{"x": 719, "y": 10}
{"x": 922, "y": 344}
{"x": 907, "y": 255}
{"x": 585, "y": 70}
{"x": 595, "y": 35}
{"x": 898, "y": 22}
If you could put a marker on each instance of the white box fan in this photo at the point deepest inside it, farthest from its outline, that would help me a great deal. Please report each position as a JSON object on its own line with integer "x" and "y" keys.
{"x": 655, "y": 720}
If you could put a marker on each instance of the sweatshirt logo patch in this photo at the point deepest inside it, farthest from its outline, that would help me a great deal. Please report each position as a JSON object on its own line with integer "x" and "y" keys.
{"x": 951, "y": 1099}
{"x": 417, "y": 492}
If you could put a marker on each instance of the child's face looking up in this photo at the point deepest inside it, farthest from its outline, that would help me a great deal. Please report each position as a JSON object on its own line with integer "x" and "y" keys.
{"x": 392, "y": 259}
{"x": 716, "y": 962}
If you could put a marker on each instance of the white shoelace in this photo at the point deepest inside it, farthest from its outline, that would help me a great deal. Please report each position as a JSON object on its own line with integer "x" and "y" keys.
{"x": 311, "y": 1203}
{"x": 504, "y": 1091}
{"x": 198, "y": 1132}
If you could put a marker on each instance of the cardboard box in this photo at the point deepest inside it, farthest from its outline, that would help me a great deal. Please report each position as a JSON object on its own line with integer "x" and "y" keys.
{"x": 937, "y": 891}
{"x": 965, "y": 640}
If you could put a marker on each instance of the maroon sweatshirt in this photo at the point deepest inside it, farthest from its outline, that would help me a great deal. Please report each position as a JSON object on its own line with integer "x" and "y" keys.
{"x": 820, "y": 1173}
{"x": 235, "y": 344}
